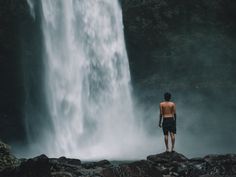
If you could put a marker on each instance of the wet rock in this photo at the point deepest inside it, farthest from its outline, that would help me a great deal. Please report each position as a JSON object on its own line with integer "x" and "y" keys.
{"x": 136, "y": 169}
{"x": 167, "y": 157}
{"x": 220, "y": 164}
{"x": 102, "y": 163}
{"x": 6, "y": 158}
{"x": 159, "y": 165}
{"x": 35, "y": 167}
{"x": 69, "y": 161}
{"x": 197, "y": 159}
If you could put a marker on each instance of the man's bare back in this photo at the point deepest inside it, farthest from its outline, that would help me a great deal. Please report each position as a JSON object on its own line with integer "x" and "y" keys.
{"x": 167, "y": 109}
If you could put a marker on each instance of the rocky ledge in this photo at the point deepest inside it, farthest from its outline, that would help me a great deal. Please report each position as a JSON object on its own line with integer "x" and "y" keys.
{"x": 159, "y": 165}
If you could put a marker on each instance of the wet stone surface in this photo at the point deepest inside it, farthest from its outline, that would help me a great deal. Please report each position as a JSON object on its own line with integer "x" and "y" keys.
{"x": 159, "y": 165}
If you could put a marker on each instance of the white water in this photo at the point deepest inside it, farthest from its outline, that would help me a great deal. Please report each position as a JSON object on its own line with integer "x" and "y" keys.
{"x": 87, "y": 82}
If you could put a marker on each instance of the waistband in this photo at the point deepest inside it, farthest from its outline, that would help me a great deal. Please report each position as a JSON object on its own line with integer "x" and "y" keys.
{"x": 169, "y": 119}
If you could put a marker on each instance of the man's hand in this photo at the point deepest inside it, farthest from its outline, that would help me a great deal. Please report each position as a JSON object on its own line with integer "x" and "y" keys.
{"x": 159, "y": 125}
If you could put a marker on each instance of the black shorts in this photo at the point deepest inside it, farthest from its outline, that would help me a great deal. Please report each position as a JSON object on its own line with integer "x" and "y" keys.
{"x": 169, "y": 125}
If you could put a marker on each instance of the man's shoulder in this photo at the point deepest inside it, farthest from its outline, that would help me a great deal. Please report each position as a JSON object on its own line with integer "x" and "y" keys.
{"x": 171, "y": 102}
{"x": 167, "y": 103}
{"x": 162, "y": 103}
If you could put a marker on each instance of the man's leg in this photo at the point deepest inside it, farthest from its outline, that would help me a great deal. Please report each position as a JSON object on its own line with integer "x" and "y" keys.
{"x": 166, "y": 142}
{"x": 172, "y": 135}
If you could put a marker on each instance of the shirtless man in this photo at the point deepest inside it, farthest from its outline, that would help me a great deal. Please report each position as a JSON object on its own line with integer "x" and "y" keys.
{"x": 168, "y": 114}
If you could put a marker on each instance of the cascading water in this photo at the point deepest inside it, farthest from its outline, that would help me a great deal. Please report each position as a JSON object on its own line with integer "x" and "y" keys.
{"x": 87, "y": 81}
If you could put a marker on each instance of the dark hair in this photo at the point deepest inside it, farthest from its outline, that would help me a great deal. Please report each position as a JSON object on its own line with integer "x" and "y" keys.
{"x": 167, "y": 96}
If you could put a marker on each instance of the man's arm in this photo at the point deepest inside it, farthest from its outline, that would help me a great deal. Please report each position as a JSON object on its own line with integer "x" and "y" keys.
{"x": 160, "y": 120}
{"x": 175, "y": 115}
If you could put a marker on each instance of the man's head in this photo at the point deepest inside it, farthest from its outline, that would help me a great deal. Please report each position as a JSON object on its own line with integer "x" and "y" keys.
{"x": 167, "y": 96}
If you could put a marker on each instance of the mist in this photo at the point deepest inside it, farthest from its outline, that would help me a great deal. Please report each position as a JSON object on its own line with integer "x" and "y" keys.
{"x": 189, "y": 50}
{"x": 86, "y": 106}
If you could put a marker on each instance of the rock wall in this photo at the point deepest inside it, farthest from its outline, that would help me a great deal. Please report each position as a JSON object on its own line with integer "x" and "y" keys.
{"x": 187, "y": 48}
{"x": 20, "y": 56}
{"x": 13, "y": 19}
{"x": 185, "y": 42}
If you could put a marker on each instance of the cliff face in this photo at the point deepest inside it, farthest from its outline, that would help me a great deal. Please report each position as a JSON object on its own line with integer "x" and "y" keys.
{"x": 188, "y": 42}
{"x": 20, "y": 55}
{"x": 13, "y": 19}
{"x": 187, "y": 48}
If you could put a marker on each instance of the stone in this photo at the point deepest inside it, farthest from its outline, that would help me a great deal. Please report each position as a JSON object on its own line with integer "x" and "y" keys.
{"x": 158, "y": 165}
{"x": 35, "y": 167}
{"x": 69, "y": 161}
{"x": 167, "y": 157}
{"x": 6, "y": 158}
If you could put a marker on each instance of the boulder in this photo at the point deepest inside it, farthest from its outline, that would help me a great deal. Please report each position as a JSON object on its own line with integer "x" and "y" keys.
{"x": 136, "y": 169}
{"x": 69, "y": 161}
{"x": 166, "y": 157}
{"x": 158, "y": 165}
{"x": 6, "y": 158}
{"x": 35, "y": 167}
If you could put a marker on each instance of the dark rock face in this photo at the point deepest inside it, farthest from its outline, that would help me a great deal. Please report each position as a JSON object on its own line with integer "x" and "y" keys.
{"x": 14, "y": 21}
{"x": 159, "y": 165}
{"x": 187, "y": 48}
{"x": 166, "y": 37}
{"x": 20, "y": 68}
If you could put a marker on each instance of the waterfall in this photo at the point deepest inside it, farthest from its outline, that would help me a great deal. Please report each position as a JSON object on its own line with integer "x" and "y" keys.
{"x": 87, "y": 81}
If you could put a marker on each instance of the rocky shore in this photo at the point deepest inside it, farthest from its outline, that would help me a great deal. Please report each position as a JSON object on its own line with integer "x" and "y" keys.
{"x": 159, "y": 165}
